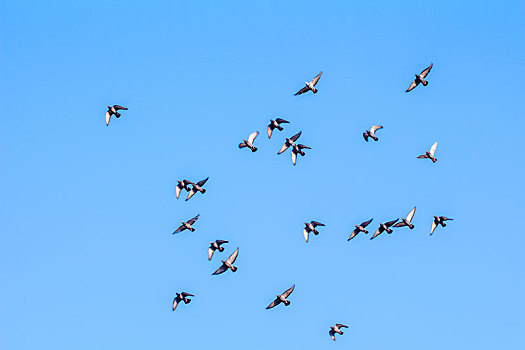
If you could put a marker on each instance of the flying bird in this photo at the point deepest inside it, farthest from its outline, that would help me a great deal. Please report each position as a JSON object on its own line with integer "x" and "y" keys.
{"x": 181, "y": 185}
{"x": 438, "y": 220}
{"x": 430, "y": 154}
{"x": 311, "y": 227}
{"x": 181, "y": 297}
{"x": 384, "y": 227}
{"x": 113, "y": 110}
{"x": 420, "y": 78}
{"x": 214, "y": 246}
{"x": 281, "y": 298}
{"x": 310, "y": 85}
{"x": 360, "y": 228}
{"x": 298, "y": 149}
{"x": 408, "y": 220}
{"x": 249, "y": 143}
{"x": 371, "y": 132}
{"x": 336, "y": 329}
{"x": 290, "y": 142}
{"x": 196, "y": 187}
{"x": 276, "y": 124}
{"x": 228, "y": 264}
{"x": 187, "y": 225}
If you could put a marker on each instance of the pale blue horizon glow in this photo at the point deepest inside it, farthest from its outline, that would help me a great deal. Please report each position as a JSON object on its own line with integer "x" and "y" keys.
{"x": 87, "y": 259}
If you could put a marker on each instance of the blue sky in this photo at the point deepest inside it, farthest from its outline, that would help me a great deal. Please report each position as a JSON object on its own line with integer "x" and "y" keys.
{"x": 87, "y": 259}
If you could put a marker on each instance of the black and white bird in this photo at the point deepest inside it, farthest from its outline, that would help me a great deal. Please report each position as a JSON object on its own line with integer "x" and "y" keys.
{"x": 195, "y": 187}
{"x": 181, "y": 297}
{"x": 228, "y": 264}
{"x": 276, "y": 124}
{"x": 311, "y": 227}
{"x": 187, "y": 225}
{"x": 336, "y": 329}
{"x": 371, "y": 132}
{"x": 438, "y": 220}
{"x": 360, "y": 228}
{"x": 215, "y": 246}
{"x": 298, "y": 149}
{"x": 113, "y": 110}
{"x": 420, "y": 78}
{"x": 408, "y": 220}
{"x": 290, "y": 142}
{"x": 249, "y": 143}
{"x": 430, "y": 154}
{"x": 181, "y": 185}
{"x": 282, "y": 298}
{"x": 384, "y": 227}
{"x": 310, "y": 86}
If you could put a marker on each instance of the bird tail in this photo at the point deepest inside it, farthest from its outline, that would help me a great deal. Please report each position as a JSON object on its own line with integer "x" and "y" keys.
{"x": 254, "y": 149}
{"x": 203, "y": 191}
{"x": 424, "y": 82}
{"x": 192, "y": 229}
{"x": 434, "y": 160}
{"x": 187, "y": 301}
{"x": 286, "y": 303}
{"x": 234, "y": 269}
{"x": 314, "y": 90}
{"x": 221, "y": 249}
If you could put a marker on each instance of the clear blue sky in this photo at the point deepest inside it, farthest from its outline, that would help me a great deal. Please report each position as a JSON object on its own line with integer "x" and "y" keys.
{"x": 87, "y": 259}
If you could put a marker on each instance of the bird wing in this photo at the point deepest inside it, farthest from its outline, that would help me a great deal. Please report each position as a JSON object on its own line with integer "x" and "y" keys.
{"x": 252, "y": 136}
{"x": 353, "y": 234}
{"x": 274, "y": 303}
{"x": 280, "y": 121}
{"x": 425, "y": 71}
{"x": 233, "y": 257}
{"x": 316, "y": 79}
{"x": 400, "y": 224}
{"x": 176, "y": 301}
{"x": 270, "y": 130}
{"x": 185, "y": 294}
{"x": 191, "y": 193}
{"x": 434, "y": 225}
{"x": 316, "y": 223}
{"x": 390, "y": 223}
{"x": 192, "y": 220}
{"x": 296, "y": 136}
{"x": 202, "y": 182}
{"x": 366, "y": 223}
{"x": 179, "y": 229}
{"x": 219, "y": 242}
{"x": 433, "y": 148}
{"x": 294, "y": 157}
{"x": 302, "y": 91}
{"x": 377, "y": 233}
{"x": 422, "y": 156}
{"x": 339, "y": 325}
{"x": 177, "y": 191}
{"x": 210, "y": 253}
{"x": 117, "y": 107}
{"x": 301, "y": 146}
{"x": 332, "y": 334}
{"x": 411, "y": 214}
{"x": 220, "y": 270}
{"x": 374, "y": 128}
{"x": 288, "y": 292}
{"x": 412, "y": 86}
{"x": 444, "y": 218}
{"x": 365, "y": 136}
{"x": 242, "y": 145}
{"x": 108, "y": 117}
{"x": 187, "y": 182}
{"x": 306, "y": 234}
{"x": 284, "y": 148}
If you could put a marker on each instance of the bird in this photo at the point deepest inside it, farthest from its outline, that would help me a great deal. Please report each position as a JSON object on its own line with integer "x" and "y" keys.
{"x": 290, "y": 142}
{"x": 420, "y": 78}
{"x": 360, "y": 228}
{"x": 371, "y": 132}
{"x": 281, "y": 298}
{"x": 214, "y": 246}
{"x": 438, "y": 220}
{"x": 249, "y": 143}
{"x": 310, "y": 227}
{"x": 181, "y": 185}
{"x": 430, "y": 154}
{"x": 408, "y": 220}
{"x": 310, "y": 85}
{"x": 196, "y": 187}
{"x": 276, "y": 124}
{"x": 113, "y": 110}
{"x": 384, "y": 227}
{"x": 181, "y": 297}
{"x": 228, "y": 264}
{"x": 187, "y": 225}
{"x": 298, "y": 149}
{"x": 336, "y": 329}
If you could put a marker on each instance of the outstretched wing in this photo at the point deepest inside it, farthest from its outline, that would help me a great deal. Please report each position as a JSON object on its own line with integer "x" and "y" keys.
{"x": 316, "y": 79}
{"x": 444, "y": 218}
{"x": 179, "y": 229}
{"x": 365, "y": 136}
{"x": 178, "y": 189}
{"x": 220, "y": 270}
{"x": 354, "y": 233}
{"x": 280, "y": 121}
{"x": 270, "y": 130}
{"x": 377, "y": 233}
{"x": 219, "y": 242}
{"x": 366, "y": 223}
{"x": 210, "y": 253}
{"x": 192, "y": 220}
{"x": 412, "y": 86}
{"x": 288, "y": 292}
{"x": 176, "y": 301}
{"x": 411, "y": 214}
{"x": 296, "y": 136}
{"x": 434, "y": 225}
{"x": 390, "y": 223}
{"x": 332, "y": 334}
{"x": 306, "y": 234}
{"x": 233, "y": 257}
{"x": 294, "y": 157}
{"x": 339, "y": 325}
{"x": 117, "y": 107}
{"x": 252, "y": 136}
{"x": 400, "y": 224}
{"x": 301, "y": 146}
{"x": 185, "y": 294}
{"x": 302, "y": 91}
{"x": 374, "y": 128}
{"x": 202, "y": 182}
{"x": 274, "y": 303}
{"x": 433, "y": 148}
{"x": 425, "y": 72}
{"x": 108, "y": 117}
{"x": 242, "y": 145}
{"x": 191, "y": 193}
{"x": 315, "y": 223}
{"x": 284, "y": 148}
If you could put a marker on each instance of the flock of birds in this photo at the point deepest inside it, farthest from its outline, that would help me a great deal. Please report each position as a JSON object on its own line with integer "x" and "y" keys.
{"x": 310, "y": 227}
